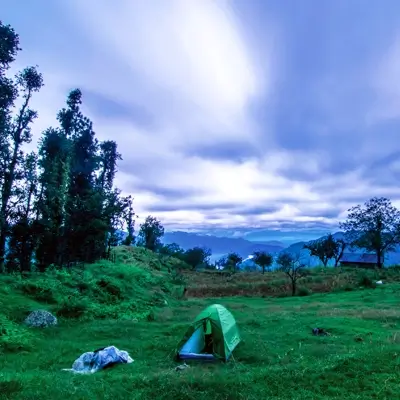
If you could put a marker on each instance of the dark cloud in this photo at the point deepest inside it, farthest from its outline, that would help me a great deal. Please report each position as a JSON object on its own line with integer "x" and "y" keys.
{"x": 232, "y": 151}
{"x": 106, "y": 107}
{"x": 190, "y": 207}
{"x": 329, "y": 213}
{"x": 384, "y": 171}
{"x": 219, "y": 208}
{"x": 165, "y": 192}
{"x": 271, "y": 230}
{"x": 257, "y": 210}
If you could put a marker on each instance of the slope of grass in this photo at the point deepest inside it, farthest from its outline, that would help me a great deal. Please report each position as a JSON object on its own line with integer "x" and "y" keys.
{"x": 135, "y": 305}
{"x": 105, "y": 290}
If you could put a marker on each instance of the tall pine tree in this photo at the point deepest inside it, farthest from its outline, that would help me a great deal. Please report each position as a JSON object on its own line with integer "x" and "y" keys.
{"x": 14, "y": 128}
{"x": 54, "y": 153}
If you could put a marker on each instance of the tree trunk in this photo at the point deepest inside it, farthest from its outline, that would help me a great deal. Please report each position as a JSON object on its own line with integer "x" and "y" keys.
{"x": 379, "y": 257}
{"x": 2, "y": 250}
{"x": 6, "y": 190}
{"x": 336, "y": 262}
{"x": 293, "y": 287}
{"x": 263, "y": 269}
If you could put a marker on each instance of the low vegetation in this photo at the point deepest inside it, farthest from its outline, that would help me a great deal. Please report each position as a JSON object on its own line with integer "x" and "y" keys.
{"x": 129, "y": 289}
{"x": 277, "y": 284}
{"x": 279, "y": 357}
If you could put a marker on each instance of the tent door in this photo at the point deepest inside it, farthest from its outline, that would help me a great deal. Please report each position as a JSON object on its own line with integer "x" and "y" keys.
{"x": 208, "y": 338}
{"x": 195, "y": 342}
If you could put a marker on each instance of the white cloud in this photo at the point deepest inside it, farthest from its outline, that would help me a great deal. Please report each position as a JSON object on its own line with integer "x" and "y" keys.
{"x": 385, "y": 77}
{"x": 187, "y": 62}
{"x": 193, "y": 65}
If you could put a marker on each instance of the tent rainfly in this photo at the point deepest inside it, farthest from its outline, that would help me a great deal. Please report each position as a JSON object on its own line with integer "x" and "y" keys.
{"x": 212, "y": 335}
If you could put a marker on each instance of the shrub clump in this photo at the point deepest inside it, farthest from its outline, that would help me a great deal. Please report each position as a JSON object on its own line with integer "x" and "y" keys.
{"x": 13, "y": 337}
{"x": 303, "y": 291}
{"x": 39, "y": 290}
{"x": 72, "y": 308}
{"x": 367, "y": 282}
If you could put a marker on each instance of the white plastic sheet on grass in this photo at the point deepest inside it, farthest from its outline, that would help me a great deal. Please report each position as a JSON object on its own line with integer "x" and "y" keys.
{"x": 91, "y": 362}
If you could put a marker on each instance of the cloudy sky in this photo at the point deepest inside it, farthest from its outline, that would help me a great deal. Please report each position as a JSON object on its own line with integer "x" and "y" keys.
{"x": 229, "y": 114}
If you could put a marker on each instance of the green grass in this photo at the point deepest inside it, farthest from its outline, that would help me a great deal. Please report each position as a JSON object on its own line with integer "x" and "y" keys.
{"x": 279, "y": 358}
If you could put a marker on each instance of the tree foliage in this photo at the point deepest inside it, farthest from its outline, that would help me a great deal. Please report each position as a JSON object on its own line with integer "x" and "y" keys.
{"x": 231, "y": 261}
{"x": 150, "y": 234}
{"x": 172, "y": 250}
{"x": 263, "y": 260}
{"x": 15, "y": 132}
{"x": 326, "y": 248}
{"x": 374, "y": 227}
{"x": 197, "y": 257}
{"x": 130, "y": 223}
{"x": 57, "y": 205}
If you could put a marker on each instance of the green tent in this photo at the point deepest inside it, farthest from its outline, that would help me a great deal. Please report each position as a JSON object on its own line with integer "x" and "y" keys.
{"x": 212, "y": 335}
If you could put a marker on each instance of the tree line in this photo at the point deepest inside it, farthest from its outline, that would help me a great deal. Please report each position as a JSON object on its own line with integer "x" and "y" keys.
{"x": 58, "y": 204}
{"x": 372, "y": 228}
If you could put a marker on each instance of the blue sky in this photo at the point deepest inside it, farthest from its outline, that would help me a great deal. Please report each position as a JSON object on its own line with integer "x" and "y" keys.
{"x": 229, "y": 114}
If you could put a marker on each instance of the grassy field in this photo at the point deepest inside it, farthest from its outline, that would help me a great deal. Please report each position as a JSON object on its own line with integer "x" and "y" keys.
{"x": 279, "y": 357}
{"x": 315, "y": 280}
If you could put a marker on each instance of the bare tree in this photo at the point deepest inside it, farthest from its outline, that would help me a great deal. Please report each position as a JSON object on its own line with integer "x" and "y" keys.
{"x": 338, "y": 250}
{"x": 292, "y": 266}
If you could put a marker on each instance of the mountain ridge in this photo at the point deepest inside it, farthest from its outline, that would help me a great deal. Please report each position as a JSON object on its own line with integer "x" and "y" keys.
{"x": 220, "y": 245}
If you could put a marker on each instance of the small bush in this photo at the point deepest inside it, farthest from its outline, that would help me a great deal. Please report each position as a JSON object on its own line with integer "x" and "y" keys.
{"x": 72, "y": 308}
{"x": 367, "y": 282}
{"x": 348, "y": 288}
{"x": 12, "y": 336}
{"x": 178, "y": 278}
{"x": 39, "y": 291}
{"x": 282, "y": 294}
{"x": 151, "y": 316}
{"x": 10, "y": 388}
{"x": 303, "y": 291}
{"x": 110, "y": 287}
{"x": 318, "y": 279}
{"x": 279, "y": 282}
{"x": 158, "y": 299}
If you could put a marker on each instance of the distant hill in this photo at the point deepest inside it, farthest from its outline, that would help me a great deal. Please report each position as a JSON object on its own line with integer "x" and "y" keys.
{"x": 221, "y": 245}
{"x": 270, "y": 242}
{"x": 285, "y": 237}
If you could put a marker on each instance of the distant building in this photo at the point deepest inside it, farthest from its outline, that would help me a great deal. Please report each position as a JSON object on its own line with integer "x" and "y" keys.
{"x": 360, "y": 260}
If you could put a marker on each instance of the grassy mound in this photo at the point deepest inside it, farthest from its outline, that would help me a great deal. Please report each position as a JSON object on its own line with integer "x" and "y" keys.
{"x": 131, "y": 289}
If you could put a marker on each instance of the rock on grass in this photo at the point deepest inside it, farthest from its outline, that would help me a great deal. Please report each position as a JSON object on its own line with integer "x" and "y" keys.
{"x": 40, "y": 319}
